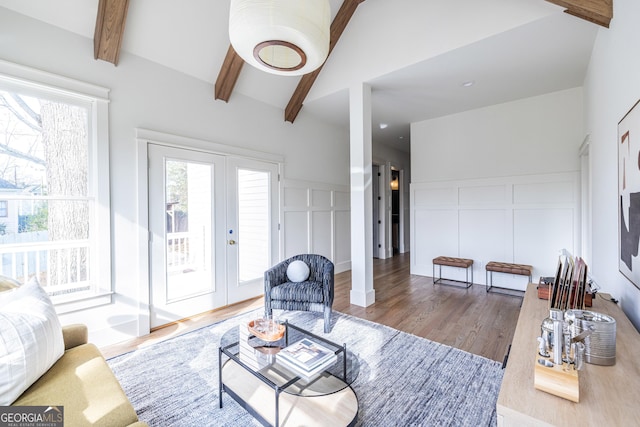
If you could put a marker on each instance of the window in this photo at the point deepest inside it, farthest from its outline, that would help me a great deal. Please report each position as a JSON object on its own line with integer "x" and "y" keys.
{"x": 54, "y": 183}
{"x": 3, "y": 207}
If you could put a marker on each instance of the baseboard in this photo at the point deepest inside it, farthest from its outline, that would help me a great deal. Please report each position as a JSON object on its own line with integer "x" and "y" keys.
{"x": 341, "y": 267}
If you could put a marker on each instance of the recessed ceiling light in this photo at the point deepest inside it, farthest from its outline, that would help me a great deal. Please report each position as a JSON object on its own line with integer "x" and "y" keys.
{"x": 383, "y": 125}
{"x": 401, "y": 137}
{"x": 468, "y": 83}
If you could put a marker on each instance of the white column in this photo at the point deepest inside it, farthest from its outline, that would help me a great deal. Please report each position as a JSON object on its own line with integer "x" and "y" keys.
{"x": 362, "y": 292}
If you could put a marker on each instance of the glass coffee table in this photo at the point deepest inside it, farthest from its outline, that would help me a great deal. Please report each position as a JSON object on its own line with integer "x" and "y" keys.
{"x": 249, "y": 372}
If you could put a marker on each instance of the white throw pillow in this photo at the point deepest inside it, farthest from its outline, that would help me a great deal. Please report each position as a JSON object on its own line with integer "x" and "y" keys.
{"x": 298, "y": 271}
{"x": 30, "y": 339}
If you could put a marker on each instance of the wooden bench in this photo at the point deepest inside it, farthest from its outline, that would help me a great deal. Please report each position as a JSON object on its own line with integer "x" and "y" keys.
{"x": 465, "y": 263}
{"x": 507, "y": 268}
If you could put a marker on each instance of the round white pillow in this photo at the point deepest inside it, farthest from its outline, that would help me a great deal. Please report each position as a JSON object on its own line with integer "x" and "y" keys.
{"x": 298, "y": 271}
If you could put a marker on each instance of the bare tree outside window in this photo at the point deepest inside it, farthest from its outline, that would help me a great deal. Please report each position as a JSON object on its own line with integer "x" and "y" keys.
{"x": 44, "y": 177}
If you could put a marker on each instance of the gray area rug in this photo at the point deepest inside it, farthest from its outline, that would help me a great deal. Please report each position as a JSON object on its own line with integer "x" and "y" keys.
{"x": 404, "y": 380}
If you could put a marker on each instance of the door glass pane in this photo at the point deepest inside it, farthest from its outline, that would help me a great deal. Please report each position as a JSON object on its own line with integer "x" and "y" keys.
{"x": 188, "y": 201}
{"x": 253, "y": 224}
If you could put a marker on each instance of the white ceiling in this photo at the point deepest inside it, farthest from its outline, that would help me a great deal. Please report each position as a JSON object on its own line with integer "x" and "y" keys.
{"x": 535, "y": 49}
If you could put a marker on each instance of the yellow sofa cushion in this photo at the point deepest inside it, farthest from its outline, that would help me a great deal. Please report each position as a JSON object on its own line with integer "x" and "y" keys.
{"x": 7, "y": 283}
{"x": 74, "y": 335}
{"x": 83, "y": 383}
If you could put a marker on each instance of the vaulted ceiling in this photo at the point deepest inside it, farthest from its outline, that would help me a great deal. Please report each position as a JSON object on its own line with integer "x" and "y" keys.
{"x": 416, "y": 54}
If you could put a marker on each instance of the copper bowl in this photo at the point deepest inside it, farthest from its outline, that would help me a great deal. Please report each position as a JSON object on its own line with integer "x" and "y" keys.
{"x": 266, "y": 329}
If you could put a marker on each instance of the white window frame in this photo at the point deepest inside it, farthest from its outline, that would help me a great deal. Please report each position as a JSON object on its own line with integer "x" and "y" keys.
{"x": 37, "y": 82}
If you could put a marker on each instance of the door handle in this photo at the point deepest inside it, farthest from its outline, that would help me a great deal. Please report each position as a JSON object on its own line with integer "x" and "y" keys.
{"x": 232, "y": 242}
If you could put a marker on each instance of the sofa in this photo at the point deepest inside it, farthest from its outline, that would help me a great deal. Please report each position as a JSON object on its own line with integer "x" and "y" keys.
{"x": 79, "y": 379}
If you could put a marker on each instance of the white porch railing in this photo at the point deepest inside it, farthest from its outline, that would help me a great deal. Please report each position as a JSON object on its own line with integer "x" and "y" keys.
{"x": 61, "y": 267}
{"x": 184, "y": 252}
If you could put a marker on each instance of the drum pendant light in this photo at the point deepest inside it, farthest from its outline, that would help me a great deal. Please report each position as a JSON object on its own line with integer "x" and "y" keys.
{"x": 286, "y": 37}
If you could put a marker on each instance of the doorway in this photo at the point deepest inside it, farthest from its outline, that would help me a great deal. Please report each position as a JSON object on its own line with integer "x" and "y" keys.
{"x": 376, "y": 210}
{"x": 380, "y": 211}
{"x": 388, "y": 210}
{"x": 213, "y": 230}
{"x": 395, "y": 212}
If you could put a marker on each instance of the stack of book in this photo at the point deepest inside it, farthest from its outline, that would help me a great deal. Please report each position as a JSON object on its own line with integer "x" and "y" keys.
{"x": 306, "y": 358}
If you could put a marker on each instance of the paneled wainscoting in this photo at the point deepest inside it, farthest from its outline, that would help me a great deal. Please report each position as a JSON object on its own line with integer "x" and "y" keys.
{"x": 309, "y": 210}
{"x": 518, "y": 219}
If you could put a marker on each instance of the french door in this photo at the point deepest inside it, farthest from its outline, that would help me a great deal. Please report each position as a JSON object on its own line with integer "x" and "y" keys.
{"x": 252, "y": 220}
{"x": 213, "y": 230}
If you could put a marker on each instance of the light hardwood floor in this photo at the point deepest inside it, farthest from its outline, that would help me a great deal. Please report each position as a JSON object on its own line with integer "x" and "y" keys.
{"x": 469, "y": 319}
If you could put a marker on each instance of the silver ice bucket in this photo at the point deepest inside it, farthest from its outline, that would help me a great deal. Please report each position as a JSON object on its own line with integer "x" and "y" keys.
{"x": 600, "y": 346}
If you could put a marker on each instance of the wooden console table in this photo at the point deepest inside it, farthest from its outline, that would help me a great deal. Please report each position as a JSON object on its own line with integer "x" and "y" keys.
{"x": 608, "y": 394}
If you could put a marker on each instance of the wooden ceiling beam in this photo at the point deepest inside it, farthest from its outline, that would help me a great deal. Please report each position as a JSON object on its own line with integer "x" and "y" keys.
{"x": 228, "y": 74}
{"x": 306, "y": 82}
{"x": 597, "y": 11}
{"x": 107, "y": 38}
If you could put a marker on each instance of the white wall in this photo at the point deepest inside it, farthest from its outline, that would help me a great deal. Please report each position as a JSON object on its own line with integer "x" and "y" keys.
{"x": 316, "y": 220}
{"x": 498, "y": 184}
{"x": 612, "y": 87}
{"x": 529, "y": 136}
{"x": 522, "y": 219}
{"x": 145, "y": 95}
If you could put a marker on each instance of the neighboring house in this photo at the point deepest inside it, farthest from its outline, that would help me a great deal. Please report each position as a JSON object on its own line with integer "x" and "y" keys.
{"x": 489, "y": 148}
{"x": 8, "y": 208}
{"x": 15, "y": 213}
